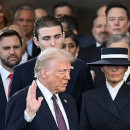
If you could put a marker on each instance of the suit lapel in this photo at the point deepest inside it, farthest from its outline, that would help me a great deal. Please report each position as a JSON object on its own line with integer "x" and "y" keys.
{"x": 67, "y": 106}
{"x": 2, "y": 95}
{"x": 103, "y": 98}
{"x": 123, "y": 96}
{"x": 44, "y": 109}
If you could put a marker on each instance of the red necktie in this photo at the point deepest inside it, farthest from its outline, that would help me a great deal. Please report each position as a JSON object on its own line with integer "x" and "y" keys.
{"x": 59, "y": 116}
{"x": 10, "y": 76}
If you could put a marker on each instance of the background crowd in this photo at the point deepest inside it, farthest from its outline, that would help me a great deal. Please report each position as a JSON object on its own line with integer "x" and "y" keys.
{"x": 31, "y": 44}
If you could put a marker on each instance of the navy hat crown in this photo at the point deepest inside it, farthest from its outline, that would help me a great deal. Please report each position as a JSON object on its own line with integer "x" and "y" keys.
{"x": 111, "y": 53}
{"x": 113, "y": 56}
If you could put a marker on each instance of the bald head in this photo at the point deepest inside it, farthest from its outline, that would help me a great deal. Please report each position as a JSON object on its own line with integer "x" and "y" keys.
{"x": 101, "y": 11}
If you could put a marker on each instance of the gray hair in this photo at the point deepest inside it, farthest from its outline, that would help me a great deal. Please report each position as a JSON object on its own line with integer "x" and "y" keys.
{"x": 23, "y": 8}
{"x": 48, "y": 55}
{"x": 117, "y": 38}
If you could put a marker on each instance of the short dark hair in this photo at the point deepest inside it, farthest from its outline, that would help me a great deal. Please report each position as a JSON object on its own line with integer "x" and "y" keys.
{"x": 46, "y": 21}
{"x": 70, "y": 34}
{"x": 62, "y": 4}
{"x": 8, "y": 32}
{"x": 72, "y": 22}
{"x": 116, "y": 5}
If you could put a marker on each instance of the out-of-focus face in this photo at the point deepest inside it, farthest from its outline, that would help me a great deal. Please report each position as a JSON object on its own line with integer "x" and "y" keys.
{"x": 25, "y": 19}
{"x": 114, "y": 74}
{"x": 1, "y": 15}
{"x": 10, "y": 51}
{"x": 61, "y": 11}
{"x": 121, "y": 44}
{"x": 57, "y": 76}
{"x": 100, "y": 30}
{"x": 65, "y": 28}
{"x": 49, "y": 37}
{"x": 69, "y": 45}
{"x": 23, "y": 38}
{"x": 40, "y": 12}
{"x": 117, "y": 21}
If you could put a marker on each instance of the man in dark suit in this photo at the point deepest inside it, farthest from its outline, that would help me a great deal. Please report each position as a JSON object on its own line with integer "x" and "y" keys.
{"x": 93, "y": 53}
{"x": 49, "y": 33}
{"x": 110, "y": 103}
{"x": 33, "y": 108}
{"x": 10, "y": 55}
{"x": 114, "y": 11}
{"x": 101, "y": 35}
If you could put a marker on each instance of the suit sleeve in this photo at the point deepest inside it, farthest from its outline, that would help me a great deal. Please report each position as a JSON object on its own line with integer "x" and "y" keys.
{"x": 15, "y": 113}
{"x": 84, "y": 121}
{"x": 16, "y": 82}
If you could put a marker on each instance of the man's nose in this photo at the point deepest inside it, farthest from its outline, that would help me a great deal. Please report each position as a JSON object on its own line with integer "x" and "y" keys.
{"x": 116, "y": 22}
{"x": 12, "y": 51}
{"x": 53, "y": 42}
{"x": 68, "y": 75}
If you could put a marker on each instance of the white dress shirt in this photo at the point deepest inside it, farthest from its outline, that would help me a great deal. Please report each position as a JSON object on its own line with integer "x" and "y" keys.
{"x": 6, "y": 81}
{"x": 114, "y": 90}
{"x": 98, "y": 44}
{"x": 24, "y": 58}
{"x": 47, "y": 96}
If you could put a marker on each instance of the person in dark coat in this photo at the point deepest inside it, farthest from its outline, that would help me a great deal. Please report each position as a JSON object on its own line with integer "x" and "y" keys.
{"x": 34, "y": 108}
{"x": 107, "y": 107}
{"x": 49, "y": 33}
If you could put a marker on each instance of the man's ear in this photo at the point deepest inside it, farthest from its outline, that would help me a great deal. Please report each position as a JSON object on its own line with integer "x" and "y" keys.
{"x": 36, "y": 41}
{"x": 44, "y": 73}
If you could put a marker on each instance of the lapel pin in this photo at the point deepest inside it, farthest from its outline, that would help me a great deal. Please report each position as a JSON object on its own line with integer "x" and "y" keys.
{"x": 65, "y": 101}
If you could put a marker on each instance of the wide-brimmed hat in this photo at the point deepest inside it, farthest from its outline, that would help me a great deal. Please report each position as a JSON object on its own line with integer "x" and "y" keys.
{"x": 112, "y": 57}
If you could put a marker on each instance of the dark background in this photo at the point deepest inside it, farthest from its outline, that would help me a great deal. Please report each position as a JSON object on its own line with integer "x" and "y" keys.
{"x": 84, "y": 10}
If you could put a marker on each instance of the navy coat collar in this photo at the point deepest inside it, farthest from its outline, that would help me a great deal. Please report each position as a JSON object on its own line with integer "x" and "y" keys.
{"x": 103, "y": 98}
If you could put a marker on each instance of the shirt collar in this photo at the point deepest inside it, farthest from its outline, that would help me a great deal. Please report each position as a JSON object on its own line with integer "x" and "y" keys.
{"x": 113, "y": 91}
{"x": 46, "y": 93}
{"x": 117, "y": 87}
{"x": 98, "y": 44}
{"x": 4, "y": 73}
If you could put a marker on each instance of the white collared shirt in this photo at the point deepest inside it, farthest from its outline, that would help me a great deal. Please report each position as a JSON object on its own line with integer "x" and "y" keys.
{"x": 114, "y": 90}
{"x": 24, "y": 58}
{"x": 6, "y": 81}
{"x": 127, "y": 73}
{"x": 47, "y": 96}
{"x": 98, "y": 44}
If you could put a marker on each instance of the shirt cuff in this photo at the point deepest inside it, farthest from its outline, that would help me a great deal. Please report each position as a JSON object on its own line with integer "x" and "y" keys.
{"x": 27, "y": 117}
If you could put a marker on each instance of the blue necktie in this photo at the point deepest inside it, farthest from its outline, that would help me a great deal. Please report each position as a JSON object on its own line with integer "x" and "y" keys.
{"x": 59, "y": 116}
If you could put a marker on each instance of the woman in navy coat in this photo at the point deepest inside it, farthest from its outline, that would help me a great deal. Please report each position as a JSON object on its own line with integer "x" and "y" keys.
{"x": 108, "y": 107}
